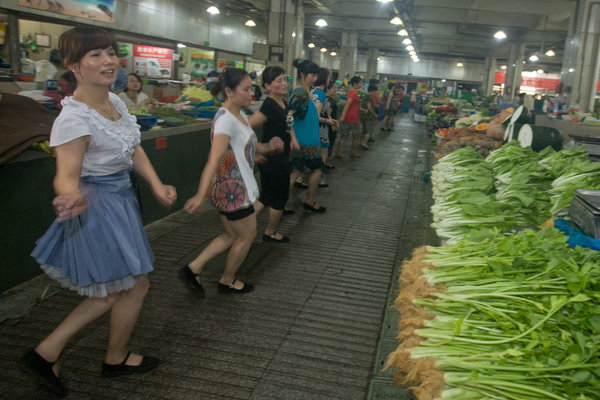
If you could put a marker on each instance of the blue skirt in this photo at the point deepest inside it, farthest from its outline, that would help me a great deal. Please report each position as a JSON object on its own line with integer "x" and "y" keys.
{"x": 103, "y": 250}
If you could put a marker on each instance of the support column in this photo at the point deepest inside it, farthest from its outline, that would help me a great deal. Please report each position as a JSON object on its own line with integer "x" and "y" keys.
{"x": 488, "y": 76}
{"x": 372, "y": 63}
{"x": 286, "y": 27}
{"x": 348, "y": 55}
{"x": 12, "y": 41}
{"x": 580, "y": 73}
{"x": 514, "y": 68}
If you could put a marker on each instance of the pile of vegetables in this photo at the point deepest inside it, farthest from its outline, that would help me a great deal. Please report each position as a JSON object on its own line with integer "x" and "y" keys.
{"x": 465, "y": 137}
{"x": 528, "y": 187}
{"x": 165, "y": 112}
{"x": 196, "y": 95}
{"x": 463, "y": 187}
{"x": 500, "y": 316}
{"x": 435, "y": 121}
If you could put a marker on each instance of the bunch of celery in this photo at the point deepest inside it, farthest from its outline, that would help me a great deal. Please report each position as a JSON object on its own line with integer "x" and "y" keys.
{"x": 462, "y": 186}
{"x": 516, "y": 317}
{"x": 583, "y": 175}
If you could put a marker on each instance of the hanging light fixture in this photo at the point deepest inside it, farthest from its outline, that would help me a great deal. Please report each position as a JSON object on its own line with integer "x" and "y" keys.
{"x": 323, "y": 50}
{"x": 402, "y": 32}
{"x": 412, "y": 53}
{"x": 503, "y": 67}
{"x": 333, "y": 54}
{"x": 410, "y": 48}
{"x": 550, "y": 53}
{"x": 396, "y": 21}
{"x": 407, "y": 41}
{"x": 180, "y": 45}
{"x": 533, "y": 58}
{"x": 459, "y": 64}
{"x": 500, "y": 35}
{"x": 540, "y": 71}
{"x": 311, "y": 45}
{"x": 213, "y": 10}
{"x": 321, "y": 22}
{"x": 385, "y": 1}
{"x": 378, "y": 58}
{"x": 250, "y": 23}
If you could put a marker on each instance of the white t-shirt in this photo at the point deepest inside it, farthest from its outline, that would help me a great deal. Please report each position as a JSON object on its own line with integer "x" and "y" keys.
{"x": 130, "y": 105}
{"x": 111, "y": 142}
{"x": 243, "y": 144}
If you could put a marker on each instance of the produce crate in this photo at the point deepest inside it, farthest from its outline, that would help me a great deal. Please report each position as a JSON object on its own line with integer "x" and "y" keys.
{"x": 585, "y": 211}
{"x": 419, "y": 118}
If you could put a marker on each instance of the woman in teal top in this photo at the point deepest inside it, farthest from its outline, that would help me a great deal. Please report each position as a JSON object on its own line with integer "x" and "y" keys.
{"x": 306, "y": 129}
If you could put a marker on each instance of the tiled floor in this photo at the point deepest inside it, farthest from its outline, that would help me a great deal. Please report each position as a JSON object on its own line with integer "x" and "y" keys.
{"x": 318, "y": 325}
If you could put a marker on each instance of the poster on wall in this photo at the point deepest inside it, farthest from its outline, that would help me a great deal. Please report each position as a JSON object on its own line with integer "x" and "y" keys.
{"x": 153, "y": 62}
{"x": 201, "y": 63}
{"x": 97, "y": 10}
{"x": 222, "y": 64}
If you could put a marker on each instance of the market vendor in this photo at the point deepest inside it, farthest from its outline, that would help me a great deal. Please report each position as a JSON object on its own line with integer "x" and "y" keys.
{"x": 133, "y": 96}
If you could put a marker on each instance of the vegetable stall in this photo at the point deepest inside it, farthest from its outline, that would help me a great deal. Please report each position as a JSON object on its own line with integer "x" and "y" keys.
{"x": 507, "y": 308}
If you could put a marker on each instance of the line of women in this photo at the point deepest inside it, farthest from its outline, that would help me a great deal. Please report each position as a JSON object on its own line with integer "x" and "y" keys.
{"x": 97, "y": 245}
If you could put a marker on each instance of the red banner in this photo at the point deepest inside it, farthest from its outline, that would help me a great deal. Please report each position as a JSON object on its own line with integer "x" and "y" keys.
{"x": 538, "y": 83}
{"x": 153, "y": 62}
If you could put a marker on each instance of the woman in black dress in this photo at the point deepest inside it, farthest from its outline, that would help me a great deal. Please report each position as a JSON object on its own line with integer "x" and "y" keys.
{"x": 275, "y": 170}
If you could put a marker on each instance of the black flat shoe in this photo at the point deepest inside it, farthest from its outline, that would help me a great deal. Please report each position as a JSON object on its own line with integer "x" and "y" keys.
{"x": 371, "y": 140}
{"x": 147, "y": 364}
{"x": 38, "y": 367}
{"x": 314, "y": 209}
{"x": 271, "y": 238}
{"x": 300, "y": 185}
{"x": 288, "y": 212}
{"x": 330, "y": 166}
{"x": 189, "y": 277}
{"x": 225, "y": 289}
{"x": 323, "y": 184}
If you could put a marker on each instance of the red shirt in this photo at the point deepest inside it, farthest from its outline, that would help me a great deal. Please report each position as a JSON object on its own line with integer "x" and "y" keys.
{"x": 353, "y": 109}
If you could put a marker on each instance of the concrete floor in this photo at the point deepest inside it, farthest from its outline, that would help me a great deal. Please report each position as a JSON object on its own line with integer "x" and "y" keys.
{"x": 318, "y": 325}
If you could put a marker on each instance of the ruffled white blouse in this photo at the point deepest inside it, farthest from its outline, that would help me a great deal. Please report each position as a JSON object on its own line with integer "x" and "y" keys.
{"x": 111, "y": 142}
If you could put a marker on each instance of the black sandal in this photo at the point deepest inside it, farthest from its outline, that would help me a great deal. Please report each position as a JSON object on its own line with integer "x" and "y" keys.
{"x": 41, "y": 369}
{"x": 147, "y": 364}
{"x": 189, "y": 277}
{"x": 225, "y": 289}
{"x": 314, "y": 209}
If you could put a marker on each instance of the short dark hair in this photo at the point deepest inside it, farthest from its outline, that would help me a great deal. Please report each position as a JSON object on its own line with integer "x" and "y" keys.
{"x": 229, "y": 78}
{"x": 69, "y": 77}
{"x": 270, "y": 74}
{"x": 373, "y": 81}
{"x": 372, "y": 88}
{"x": 74, "y": 44}
{"x": 355, "y": 79}
{"x": 136, "y": 76}
{"x": 305, "y": 67}
{"x": 322, "y": 77}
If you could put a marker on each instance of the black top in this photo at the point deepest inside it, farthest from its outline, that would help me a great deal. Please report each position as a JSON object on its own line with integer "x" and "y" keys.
{"x": 333, "y": 105}
{"x": 276, "y": 125}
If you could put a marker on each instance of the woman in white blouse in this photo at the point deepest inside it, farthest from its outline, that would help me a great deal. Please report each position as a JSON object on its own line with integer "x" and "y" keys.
{"x": 97, "y": 245}
{"x": 133, "y": 97}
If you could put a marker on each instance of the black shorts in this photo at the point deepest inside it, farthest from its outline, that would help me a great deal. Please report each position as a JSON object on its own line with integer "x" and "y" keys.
{"x": 275, "y": 190}
{"x": 239, "y": 214}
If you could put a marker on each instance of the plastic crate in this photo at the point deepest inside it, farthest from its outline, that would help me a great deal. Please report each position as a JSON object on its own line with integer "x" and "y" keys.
{"x": 586, "y": 217}
{"x": 419, "y": 118}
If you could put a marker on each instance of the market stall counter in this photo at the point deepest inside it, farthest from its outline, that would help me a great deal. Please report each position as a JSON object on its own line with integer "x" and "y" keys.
{"x": 26, "y": 192}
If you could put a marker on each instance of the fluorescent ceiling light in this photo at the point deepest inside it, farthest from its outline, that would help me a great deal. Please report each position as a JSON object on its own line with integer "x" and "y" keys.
{"x": 250, "y": 23}
{"x": 321, "y": 22}
{"x": 550, "y": 53}
{"x": 402, "y": 32}
{"x": 459, "y": 64}
{"x": 180, "y": 45}
{"x": 396, "y": 21}
{"x": 323, "y": 50}
{"x": 410, "y": 48}
{"x": 407, "y": 41}
{"x": 333, "y": 54}
{"x": 213, "y": 10}
{"x": 533, "y": 58}
{"x": 311, "y": 45}
{"x": 500, "y": 35}
{"x": 503, "y": 67}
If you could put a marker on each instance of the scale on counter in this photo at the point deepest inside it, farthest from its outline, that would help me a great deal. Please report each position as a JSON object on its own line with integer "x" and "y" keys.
{"x": 585, "y": 211}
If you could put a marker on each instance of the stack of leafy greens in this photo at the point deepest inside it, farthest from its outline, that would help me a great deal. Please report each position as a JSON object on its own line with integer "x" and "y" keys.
{"x": 463, "y": 187}
{"x": 500, "y": 316}
{"x": 583, "y": 175}
{"x": 522, "y": 184}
